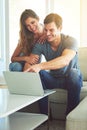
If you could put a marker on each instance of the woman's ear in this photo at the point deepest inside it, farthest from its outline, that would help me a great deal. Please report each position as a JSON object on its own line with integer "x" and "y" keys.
{"x": 60, "y": 27}
{"x": 38, "y": 19}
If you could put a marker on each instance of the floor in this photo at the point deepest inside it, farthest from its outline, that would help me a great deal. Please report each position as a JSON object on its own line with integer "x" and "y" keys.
{"x": 53, "y": 125}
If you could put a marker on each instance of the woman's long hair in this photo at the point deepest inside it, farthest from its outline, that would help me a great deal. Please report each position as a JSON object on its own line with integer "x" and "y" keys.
{"x": 26, "y": 36}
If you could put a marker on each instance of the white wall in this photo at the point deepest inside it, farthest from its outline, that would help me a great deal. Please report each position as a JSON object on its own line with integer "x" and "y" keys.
{"x": 68, "y": 9}
{"x": 83, "y": 25}
{"x": 70, "y": 12}
{"x": 16, "y": 7}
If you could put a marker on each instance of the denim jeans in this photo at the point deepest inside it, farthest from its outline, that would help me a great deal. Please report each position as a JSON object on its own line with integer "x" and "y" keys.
{"x": 16, "y": 66}
{"x": 72, "y": 83}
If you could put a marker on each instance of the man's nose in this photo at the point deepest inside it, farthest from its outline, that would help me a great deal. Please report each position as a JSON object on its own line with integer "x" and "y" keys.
{"x": 47, "y": 33}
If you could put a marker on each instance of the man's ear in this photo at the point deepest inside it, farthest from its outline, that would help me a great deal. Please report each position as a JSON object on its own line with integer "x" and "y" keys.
{"x": 60, "y": 27}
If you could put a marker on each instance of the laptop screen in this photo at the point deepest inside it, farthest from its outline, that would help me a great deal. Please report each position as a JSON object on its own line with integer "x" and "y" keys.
{"x": 24, "y": 83}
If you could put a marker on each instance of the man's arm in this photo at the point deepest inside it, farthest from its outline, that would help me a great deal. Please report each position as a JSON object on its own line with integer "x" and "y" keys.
{"x": 56, "y": 63}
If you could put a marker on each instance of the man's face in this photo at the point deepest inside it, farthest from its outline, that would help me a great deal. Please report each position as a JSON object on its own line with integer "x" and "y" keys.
{"x": 52, "y": 32}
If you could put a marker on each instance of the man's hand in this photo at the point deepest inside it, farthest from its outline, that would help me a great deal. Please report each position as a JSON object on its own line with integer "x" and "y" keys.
{"x": 34, "y": 68}
{"x": 26, "y": 66}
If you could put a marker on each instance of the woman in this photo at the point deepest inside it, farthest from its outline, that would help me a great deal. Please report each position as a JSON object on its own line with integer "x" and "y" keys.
{"x": 31, "y": 32}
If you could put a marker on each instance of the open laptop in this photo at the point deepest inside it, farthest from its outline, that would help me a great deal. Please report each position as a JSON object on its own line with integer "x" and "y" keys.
{"x": 24, "y": 83}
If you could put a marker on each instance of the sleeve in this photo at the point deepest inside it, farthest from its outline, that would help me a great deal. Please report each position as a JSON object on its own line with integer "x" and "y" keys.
{"x": 71, "y": 43}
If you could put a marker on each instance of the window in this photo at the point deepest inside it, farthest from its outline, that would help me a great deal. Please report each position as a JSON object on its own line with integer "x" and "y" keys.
{"x": 4, "y": 36}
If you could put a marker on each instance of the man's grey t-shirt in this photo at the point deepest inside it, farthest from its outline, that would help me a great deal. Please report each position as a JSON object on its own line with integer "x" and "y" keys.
{"x": 67, "y": 42}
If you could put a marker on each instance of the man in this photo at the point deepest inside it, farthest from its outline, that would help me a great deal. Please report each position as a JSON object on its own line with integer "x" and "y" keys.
{"x": 60, "y": 52}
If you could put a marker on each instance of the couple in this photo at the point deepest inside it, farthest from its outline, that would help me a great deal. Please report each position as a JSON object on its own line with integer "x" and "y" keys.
{"x": 60, "y": 51}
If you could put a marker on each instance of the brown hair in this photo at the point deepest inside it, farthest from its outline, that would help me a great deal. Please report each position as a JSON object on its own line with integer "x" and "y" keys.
{"x": 53, "y": 17}
{"x": 26, "y": 36}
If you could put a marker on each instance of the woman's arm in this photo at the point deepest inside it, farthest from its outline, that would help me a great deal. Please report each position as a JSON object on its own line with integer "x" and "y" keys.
{"x": 32, "y": 59}
{"x": 16, "y": 55}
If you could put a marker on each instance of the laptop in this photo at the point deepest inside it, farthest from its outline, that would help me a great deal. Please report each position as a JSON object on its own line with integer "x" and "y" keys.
{"x": 26, "y": 83}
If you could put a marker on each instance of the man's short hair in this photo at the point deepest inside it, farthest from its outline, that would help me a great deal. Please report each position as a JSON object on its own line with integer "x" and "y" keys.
{"x": 53, "y": 17}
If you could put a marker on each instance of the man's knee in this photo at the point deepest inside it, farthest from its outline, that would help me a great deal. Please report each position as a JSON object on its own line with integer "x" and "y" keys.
{"x": 74, "y": 74}
{"x": 74, "y": 78}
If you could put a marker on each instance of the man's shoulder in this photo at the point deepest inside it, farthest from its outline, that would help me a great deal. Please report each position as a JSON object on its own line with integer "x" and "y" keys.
{"x": 68, "y": 37}
{"x": 69, "y": 42}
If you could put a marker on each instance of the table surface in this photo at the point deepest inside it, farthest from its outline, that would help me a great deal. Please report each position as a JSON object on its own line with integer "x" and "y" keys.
{"x": 10, "y": 103}
{"x": 22, "y": 121}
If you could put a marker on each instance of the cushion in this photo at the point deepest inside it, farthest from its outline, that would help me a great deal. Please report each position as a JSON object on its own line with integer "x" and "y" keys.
{"x": 77, "y": 119}
{"x": 82, "y": 61}
{"x": 60, "y": 96}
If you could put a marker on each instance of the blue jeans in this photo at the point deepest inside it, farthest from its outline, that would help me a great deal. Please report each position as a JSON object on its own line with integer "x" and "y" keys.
{"x": 72, "y": 83}
{"x": 16, "y": 66}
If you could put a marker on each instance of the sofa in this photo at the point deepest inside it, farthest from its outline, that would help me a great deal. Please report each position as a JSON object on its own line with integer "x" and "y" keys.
{"x": 58, "y": 100}
{"x": 77, "y": 118}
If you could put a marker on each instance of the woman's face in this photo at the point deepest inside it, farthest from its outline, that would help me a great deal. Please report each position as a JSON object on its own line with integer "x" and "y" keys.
{"x": 32, "y": 24}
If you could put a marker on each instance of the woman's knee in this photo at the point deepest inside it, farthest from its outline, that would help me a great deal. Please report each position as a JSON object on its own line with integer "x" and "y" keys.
{"x": 15, "y": 66}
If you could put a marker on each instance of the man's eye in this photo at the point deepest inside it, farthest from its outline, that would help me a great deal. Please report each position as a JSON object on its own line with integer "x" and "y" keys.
{"x": 32, "y": 22}
{"x": 45, "y": 30}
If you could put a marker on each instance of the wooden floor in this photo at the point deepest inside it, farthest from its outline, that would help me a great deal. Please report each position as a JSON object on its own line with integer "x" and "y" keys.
{"x": 53, "y": 125}
{"x": 3, "y": 86}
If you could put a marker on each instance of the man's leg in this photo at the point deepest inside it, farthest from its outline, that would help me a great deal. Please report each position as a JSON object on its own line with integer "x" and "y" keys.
{"x": 48, "y": 82}
{"x": 73, "y": 84}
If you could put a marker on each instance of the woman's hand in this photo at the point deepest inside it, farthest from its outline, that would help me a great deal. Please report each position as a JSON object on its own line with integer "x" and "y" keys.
{"x": 42, "y": 39}
{"x": 32, "y": 59}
